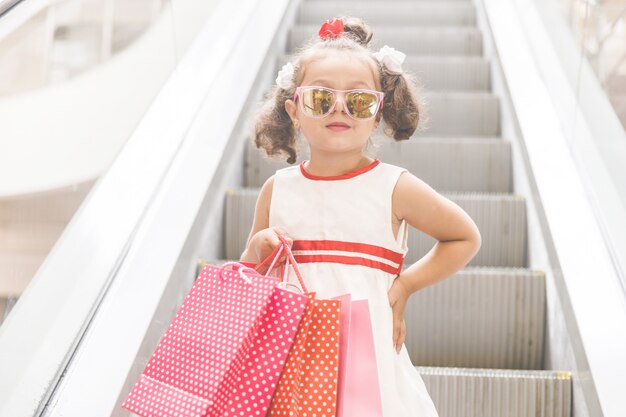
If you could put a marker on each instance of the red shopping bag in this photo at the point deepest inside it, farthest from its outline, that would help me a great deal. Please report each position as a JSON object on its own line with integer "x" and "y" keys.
{"x": 308, "y": 385}
{"x": 359, "y": 390}
{"x": 224, "y": 351}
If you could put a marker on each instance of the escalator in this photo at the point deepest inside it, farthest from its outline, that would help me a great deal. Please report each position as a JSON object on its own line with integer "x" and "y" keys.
{"x": 477, "y": 338}
{"x": 497, "y": 338}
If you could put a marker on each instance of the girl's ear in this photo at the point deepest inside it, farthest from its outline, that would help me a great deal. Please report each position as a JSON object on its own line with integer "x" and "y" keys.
{"x": 290, "y": 108}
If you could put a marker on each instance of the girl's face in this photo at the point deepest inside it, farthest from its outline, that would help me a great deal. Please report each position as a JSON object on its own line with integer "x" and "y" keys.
{"x": 335, "y": 71}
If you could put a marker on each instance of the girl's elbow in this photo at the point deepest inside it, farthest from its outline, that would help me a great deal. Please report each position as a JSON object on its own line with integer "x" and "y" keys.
{"x": 473, "y": 235}
{"x": 477, "y": 240}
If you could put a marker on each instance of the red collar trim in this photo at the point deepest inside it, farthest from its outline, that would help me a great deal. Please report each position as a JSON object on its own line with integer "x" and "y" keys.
{"x": 347, "y": 175}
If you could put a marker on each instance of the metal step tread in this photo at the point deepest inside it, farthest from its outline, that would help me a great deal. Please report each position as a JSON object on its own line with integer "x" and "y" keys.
{"x": 479, "y": 317}
{"x": 391, "y": 12}
{"x": 473, "y": 392}
{"x": 495, "y": 373}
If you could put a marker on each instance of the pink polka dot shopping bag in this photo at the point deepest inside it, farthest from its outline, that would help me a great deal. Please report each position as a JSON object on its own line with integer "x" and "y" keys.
{"x": 225, "y": 349}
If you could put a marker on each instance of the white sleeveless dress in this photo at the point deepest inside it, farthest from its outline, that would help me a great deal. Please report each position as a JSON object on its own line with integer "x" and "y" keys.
{"x": 343, "y": 242}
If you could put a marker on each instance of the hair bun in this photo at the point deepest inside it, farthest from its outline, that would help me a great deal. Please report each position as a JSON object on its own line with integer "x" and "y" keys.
{"x": 358, "y": 30}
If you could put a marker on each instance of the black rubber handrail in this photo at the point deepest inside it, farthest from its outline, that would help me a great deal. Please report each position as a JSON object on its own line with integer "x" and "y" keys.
{"x": 7, "y": 5}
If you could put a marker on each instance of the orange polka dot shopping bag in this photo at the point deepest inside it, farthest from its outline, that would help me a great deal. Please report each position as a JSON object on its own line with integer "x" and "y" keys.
{"x": 309, "y": 382}
{"x": 225, "y": 349}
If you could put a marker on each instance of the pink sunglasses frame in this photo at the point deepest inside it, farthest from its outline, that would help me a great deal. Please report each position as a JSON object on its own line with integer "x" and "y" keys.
{"x": 379, "y": 94}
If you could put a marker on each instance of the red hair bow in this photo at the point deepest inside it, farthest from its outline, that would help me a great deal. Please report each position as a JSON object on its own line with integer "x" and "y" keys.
{"x": 331, "y": 29}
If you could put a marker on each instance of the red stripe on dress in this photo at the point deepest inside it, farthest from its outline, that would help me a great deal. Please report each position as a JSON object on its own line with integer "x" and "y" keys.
{"x": 348, "y": 260}
{"x": 353, "y": 247}
{"x": 345, "y": 176}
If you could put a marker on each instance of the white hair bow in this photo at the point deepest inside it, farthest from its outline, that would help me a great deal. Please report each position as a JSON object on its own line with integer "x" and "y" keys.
{"x": 285, "y": 76}
{"x": 391, "y": 58}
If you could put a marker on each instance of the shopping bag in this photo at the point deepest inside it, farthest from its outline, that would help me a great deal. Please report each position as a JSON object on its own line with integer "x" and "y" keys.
{"x": 224, "y": 351}
{"x": 344, "y": 340}
{"x": 358, "y": 391}
{"x": 308, "y": 384}
{"x": 251, "y": 391}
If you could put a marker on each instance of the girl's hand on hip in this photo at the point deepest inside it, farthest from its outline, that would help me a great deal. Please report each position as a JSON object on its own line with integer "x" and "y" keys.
{"x": 398, "y": 296}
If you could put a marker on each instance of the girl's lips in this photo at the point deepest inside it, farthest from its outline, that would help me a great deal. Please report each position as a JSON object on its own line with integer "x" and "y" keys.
{"x": 338, "y": 127}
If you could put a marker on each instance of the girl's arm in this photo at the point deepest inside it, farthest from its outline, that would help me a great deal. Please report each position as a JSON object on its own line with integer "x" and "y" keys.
{"x": 458, "y": 237}
{"x": 263, "y": 239}
{"x": 458, "y": 241}
{"x": 261, "y": 221}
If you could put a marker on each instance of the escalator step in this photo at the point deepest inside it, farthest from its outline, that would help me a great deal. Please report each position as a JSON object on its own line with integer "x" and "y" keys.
{"x": 498, "y": 393}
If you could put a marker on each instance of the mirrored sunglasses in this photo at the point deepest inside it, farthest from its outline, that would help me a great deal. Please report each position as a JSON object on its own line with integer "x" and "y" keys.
{"x": 318, "y": 101}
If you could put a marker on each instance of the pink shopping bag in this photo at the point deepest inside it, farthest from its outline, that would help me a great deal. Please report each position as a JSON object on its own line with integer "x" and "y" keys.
{"x": 224, "y": 351}
{"x": 358, "y": 391}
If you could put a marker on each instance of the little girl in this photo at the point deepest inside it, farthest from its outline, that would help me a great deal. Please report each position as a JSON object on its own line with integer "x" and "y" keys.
{"x": 344, "y": 214}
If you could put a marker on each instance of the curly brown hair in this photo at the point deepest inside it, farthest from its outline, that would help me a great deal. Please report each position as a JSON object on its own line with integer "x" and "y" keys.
{"x": 272, "y": 128}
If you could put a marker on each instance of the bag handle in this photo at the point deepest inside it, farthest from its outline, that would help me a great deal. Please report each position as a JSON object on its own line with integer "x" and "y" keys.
{"x": 274, "y": 256}
{"x": 241, "y": 267}
{"x": 289, "y": 257}
{"x": 285, "y": 272}
{"x": 278, "y": 250}
{"x": 294, "y": 264}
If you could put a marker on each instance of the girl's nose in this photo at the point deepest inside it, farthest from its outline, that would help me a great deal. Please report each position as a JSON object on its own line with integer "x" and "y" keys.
{"x": 339, "y": 105}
